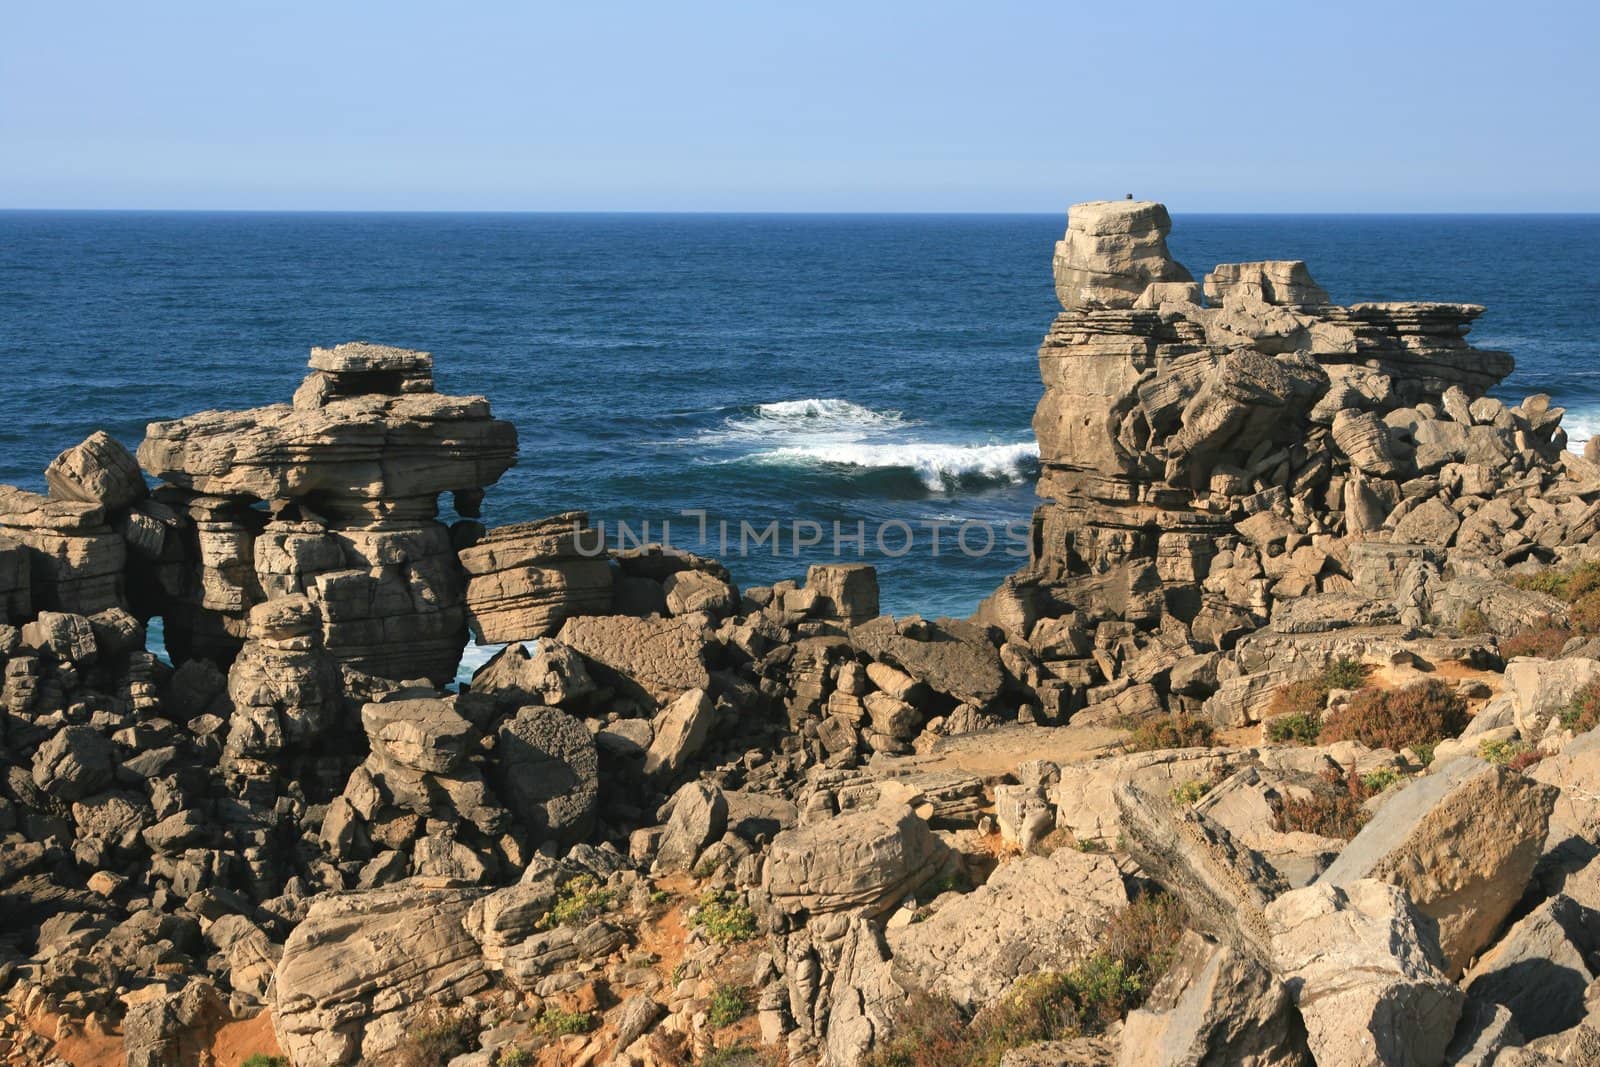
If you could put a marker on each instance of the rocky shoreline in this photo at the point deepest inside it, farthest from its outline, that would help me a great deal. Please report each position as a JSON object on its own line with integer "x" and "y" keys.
{"x": 1280, "y": 750}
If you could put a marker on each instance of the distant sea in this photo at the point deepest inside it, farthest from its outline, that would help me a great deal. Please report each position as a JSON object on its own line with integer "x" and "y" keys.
{"x": 853, "y": 368}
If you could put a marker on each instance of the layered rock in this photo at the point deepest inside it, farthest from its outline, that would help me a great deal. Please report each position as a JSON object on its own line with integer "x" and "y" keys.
{"x": 351, "y": 474}
{"x": 525, "y": 580}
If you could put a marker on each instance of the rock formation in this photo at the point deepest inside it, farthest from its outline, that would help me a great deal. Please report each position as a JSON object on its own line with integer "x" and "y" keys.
{"x": 1284, "y": 749}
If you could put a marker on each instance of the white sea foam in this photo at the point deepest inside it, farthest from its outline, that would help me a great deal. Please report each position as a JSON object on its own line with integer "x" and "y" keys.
{"x": 818, "y": 420}
{"x": 1581, "y": 424}
{"x": 940, "y": 466}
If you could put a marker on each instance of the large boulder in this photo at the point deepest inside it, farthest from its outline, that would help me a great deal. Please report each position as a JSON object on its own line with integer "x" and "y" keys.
{"x": 1462, "y": 842}
{"x": 1542, "y": 968}
{"x": 1359, "y": 963}
{"x": 867, "y": 859}
{"x": 1214, "y": 1008}
{"x": 517, "y": 675}
{"x": 847, "y": 592}
{"x": 1540, "y": 688}
{"x": 950, "y": 657}
{"x": 680, "y": 732}
{"x": 650, "y": 660}
{"x": 98, "y": 471}
{"x": 525, "y": 580}
{"x": 1034, "y": 914}
{"x": 1112, "y": 251}
{"x": 548, "y": 770}
{"x": 359, "y": 957}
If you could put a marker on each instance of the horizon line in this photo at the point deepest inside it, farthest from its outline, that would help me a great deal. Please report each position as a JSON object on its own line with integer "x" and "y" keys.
{"x": 746, "y": 212}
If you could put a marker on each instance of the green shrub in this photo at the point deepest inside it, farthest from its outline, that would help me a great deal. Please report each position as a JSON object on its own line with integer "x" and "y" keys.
{"x": 1585, "y": 613}
{"x": 729, "y": 1004}
{"x": 1424, "y": 713}
{"x": 1297, "y": 727}
{"x": 1189, "y": 793}
{"x": 1134, "y": 952}
{"x": 1471, "y": 622}
{"x": 1570, "y": 584}
{"x": 1345, "y": 673}
{"x": 261, "y": 1059}
{"x": 436, "y": 1035}
{"x": 1379, "y": 780}
{"x": 512, "y": 1056}
{"x": 556, "y": 1022}
{"x": 580, "y": 900}
{"x": 1582, "y": 712}
{"x": 725, "y": 917}
{"x": 1170, "y": 731}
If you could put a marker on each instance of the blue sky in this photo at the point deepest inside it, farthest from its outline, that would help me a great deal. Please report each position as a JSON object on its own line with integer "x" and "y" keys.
{"x": 813, "y": 106}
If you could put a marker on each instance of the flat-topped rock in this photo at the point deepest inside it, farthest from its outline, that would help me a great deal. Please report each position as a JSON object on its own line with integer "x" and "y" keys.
{"x": 362, "y": 357}
{"x": 526, "y": 579}
{"x": 1112, "y": 251}
{"x": 360, "y": 448}
{"x": 1283, "y": 281}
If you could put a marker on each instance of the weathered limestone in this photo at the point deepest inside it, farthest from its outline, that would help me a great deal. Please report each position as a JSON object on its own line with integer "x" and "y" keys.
{"x": 1364, "y": 975}
{"x": 525, "y": 580}
{"x": 359, "y": 957}
{"x": 1461, "y": 842}
{"x": 1035, "y": 914}
{"x": 76, "y": 561}
{"x": 1113, "y": 250}
{"x": 1214, "y": 1007}
{"x": 98, "y": 471}
{"x": 351, "y": 473}
{"x": 865, "y": 860}
{"x": 650, "y": 660}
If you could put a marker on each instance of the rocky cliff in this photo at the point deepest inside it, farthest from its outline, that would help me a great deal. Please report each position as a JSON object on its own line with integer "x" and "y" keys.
{"x": 1281, "y": 750}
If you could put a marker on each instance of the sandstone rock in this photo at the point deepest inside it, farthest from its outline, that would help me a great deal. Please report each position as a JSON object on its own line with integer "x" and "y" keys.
{"x": 98, "y": 471}
{"x": 1214, "y": 1006}
{"x": 1272, "y": 282}
{"x": 1539, "y": 689}
{"x": 681, "y": 731}
{"x": 947, "y": 656}
{"x": 652, "y": 660}
{"x": 1364, "y": 974}
{"x": 1225, "y": 886}
{"x": 1034, "y": 914}
{"x": 1085, "y": 795}
{"x": 425, "y": 734}
{"x": 699, "y": 816}
{"x": 1541, "y": 969}
{"x": 866, "y": 860}
{"x": 526, "y": 579}
{"x": 76, "y": 562}
{"x": 1113, "y": 250}
{"x": 73, "y": 763}
{"x": 358, "y": 957}
{"x": 548, "y": 770}
{"x": 691, "y": 591}
{"x": 1461, "y": 842}
{"x": 847, "y": 592}
{"x": 518, "y": 675}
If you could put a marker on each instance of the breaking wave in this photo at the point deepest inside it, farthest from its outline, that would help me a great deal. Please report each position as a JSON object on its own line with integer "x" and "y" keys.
{"x": 938, "y": 466}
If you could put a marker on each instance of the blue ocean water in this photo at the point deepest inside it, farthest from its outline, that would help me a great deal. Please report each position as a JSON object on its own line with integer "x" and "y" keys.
{"x": 858, "y": 369}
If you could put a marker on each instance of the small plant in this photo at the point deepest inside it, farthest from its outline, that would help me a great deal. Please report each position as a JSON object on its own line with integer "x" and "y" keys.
{"x": 954, "y": 882}
{"x": 1571, "y": 584}
{"x": 261, "y": 1059}
{"x": 1420, "y": 714}
{"x": 660, "y": 897}
{"x": 1345, "y": 673}
{"x": 579, "y": 901}
{"x": 1170, "y": 731}
{"x": 555, "y": 1022}
{"x": 1187, "y": 794}
{"x": 1134, "y": 952}
{"x": 1582, "y": 713}
{"x": 1333, "y": 809}
{"x": 724, "y": 917}
{"x": 1377, "y": 781}
{"x": 1471, "y": 622}
{"x": 1544, "y": 639}
{"x": 1502, "y": 751}
{"x": 435, "y": 1036}
{"x": 729, "y": 1004}
{"x": 1296, "y": 728}
{"x": 1090, "y": 844}
{"x": 740, "y": 1055}
{"x": 512, "y": 1056}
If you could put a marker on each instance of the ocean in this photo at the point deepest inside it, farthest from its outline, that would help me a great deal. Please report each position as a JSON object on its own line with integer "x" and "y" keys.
{"x": 872, "y": 371}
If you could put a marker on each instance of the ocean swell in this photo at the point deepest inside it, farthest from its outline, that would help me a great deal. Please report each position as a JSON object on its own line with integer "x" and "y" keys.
{"x": 940, "y": 467}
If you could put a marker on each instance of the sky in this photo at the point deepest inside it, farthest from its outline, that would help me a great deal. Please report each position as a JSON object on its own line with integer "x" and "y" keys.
{"x": 808, "y": 106}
